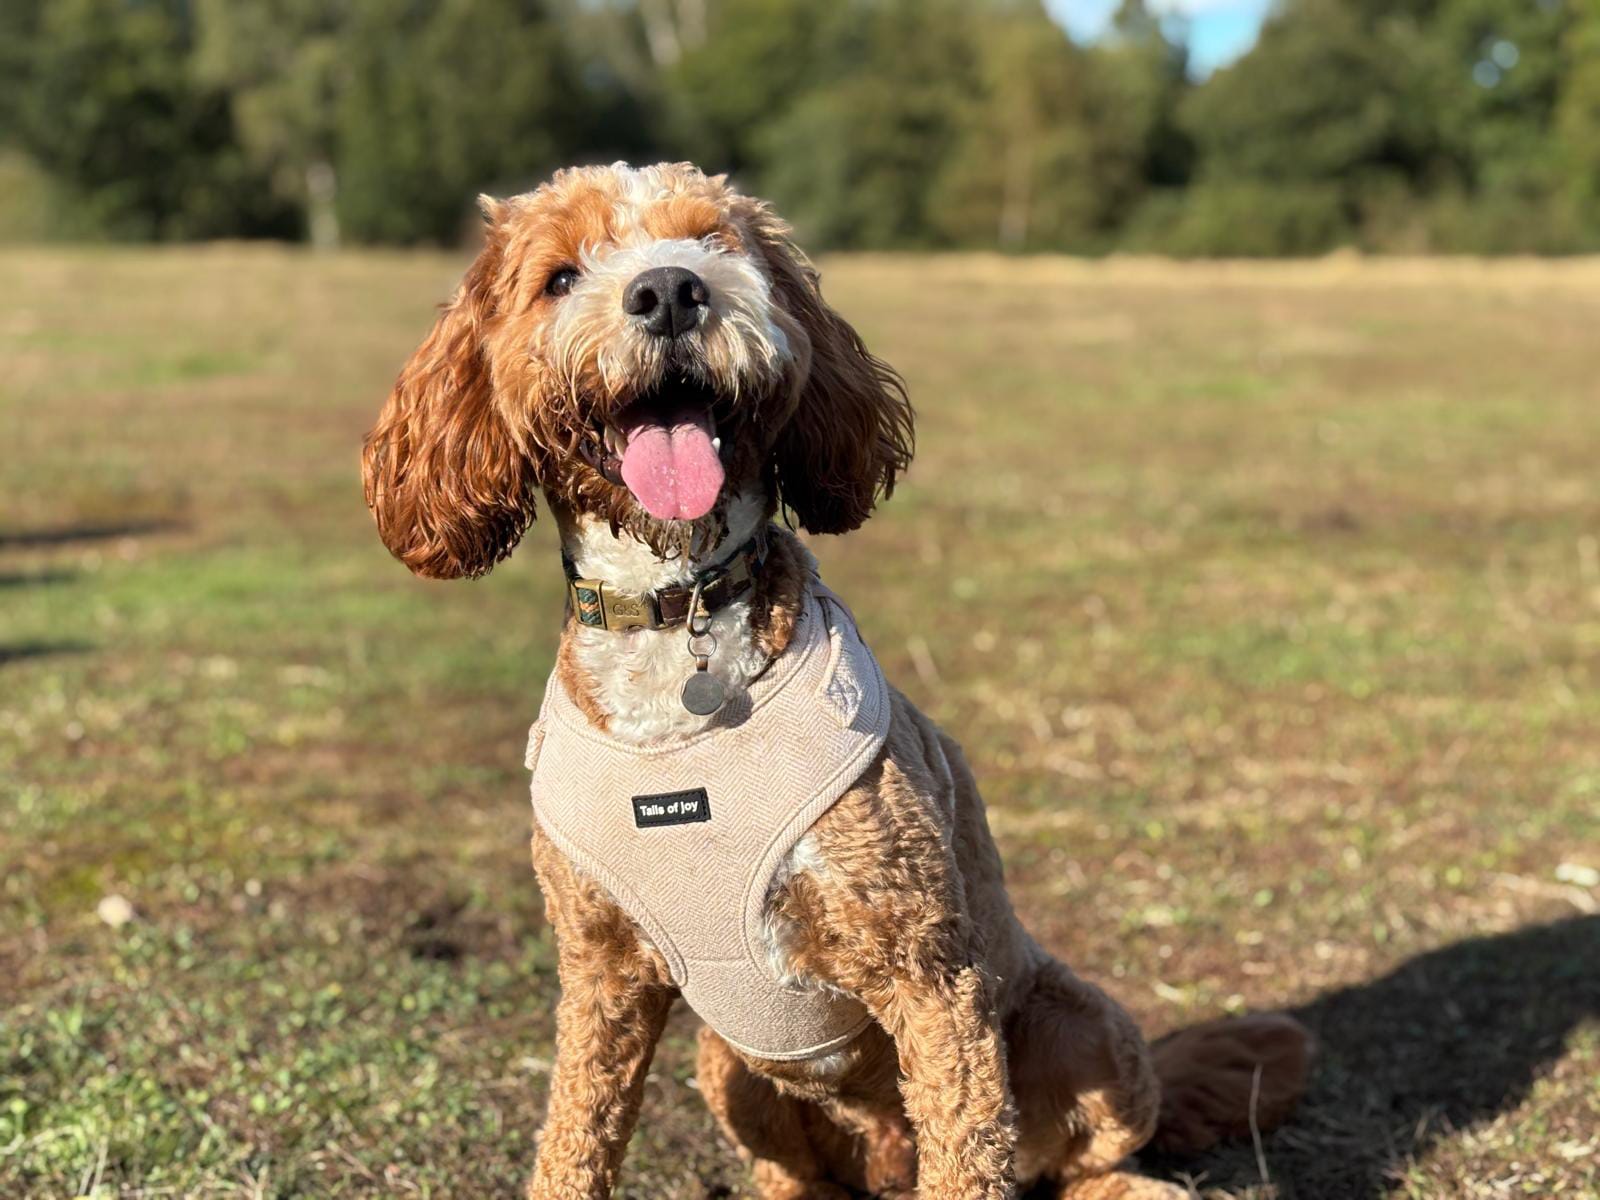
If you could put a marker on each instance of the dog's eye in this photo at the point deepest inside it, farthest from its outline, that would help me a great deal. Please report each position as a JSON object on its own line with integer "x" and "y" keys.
{"x": 562, "y": 282}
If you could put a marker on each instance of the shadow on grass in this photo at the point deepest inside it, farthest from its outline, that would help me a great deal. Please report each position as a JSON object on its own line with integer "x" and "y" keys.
{"x": 88, "y": 531}
{"x": 22, "y": 651}
{"x": 26, "y": 579}
{"x": 1446, "y": 1041}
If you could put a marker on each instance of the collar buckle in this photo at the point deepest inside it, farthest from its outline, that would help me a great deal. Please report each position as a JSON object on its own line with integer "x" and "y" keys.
{"x": 598, "y": 607}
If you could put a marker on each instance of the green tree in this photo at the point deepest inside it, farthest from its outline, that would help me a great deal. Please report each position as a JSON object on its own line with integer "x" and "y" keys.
{"x": 1414, "y": 123}
{"x": 1031, "y": 167}
{"x": 281, "y": 63}
{"x": 1578, "y": 126}
{"x": 1294, "y": 138}
{"x": 443, "y": 101}
{"x": 755, "y": 58}
{"x": 855, "y": 160}
{"x": 1317, "y": 100}
{"x": 103, "y": 98}
{"x": 1497, "y": 104}
{"x": 1146, "y": 76}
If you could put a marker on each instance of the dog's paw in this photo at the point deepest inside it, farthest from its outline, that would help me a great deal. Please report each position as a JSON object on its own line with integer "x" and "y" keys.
{"x": 790, "y": 1188}
{"x": 1122, "y": 1185}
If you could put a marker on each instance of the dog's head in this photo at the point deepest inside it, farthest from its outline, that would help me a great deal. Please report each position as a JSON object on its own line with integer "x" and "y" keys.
{"x": 641, "y": 345}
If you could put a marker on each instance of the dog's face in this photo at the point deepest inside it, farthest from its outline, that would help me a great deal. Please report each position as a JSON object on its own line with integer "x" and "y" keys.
{"x": 642, "y": 346}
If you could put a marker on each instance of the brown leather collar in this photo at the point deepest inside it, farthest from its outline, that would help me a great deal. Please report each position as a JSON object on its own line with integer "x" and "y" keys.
{"x": 598, "y": 605}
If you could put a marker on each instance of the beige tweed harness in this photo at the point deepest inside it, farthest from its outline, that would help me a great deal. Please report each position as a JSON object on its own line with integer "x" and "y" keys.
{"x": 689, "y": 837}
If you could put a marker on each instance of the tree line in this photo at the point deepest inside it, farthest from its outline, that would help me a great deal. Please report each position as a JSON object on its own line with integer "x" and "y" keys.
{"x": 1389, "y": 125}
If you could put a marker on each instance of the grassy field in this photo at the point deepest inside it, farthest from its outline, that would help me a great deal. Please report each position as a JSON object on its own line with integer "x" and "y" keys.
{"x": 1266, "y": 600}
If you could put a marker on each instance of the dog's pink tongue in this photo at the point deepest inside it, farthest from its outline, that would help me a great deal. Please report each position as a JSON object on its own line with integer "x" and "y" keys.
{"x": 671, "y": 466}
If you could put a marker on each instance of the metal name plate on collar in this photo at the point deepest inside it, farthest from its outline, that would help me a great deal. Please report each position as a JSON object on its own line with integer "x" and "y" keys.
{"x": 600, "y": 608}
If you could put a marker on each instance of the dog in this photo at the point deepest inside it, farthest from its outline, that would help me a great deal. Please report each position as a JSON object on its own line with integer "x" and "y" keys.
{"x": 648, "y": 350}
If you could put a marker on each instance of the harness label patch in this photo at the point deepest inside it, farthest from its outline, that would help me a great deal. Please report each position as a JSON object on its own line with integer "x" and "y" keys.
{"x": 671, "y": 808}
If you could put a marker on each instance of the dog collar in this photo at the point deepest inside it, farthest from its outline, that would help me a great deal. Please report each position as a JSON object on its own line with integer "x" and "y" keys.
{"x": 598, "y": 605}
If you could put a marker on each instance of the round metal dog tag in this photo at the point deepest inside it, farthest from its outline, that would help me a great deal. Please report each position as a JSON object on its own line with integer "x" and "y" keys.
{"x": 703, "y": 694}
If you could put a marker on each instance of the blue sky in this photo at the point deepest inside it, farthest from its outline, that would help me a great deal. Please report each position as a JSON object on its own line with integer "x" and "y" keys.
{"x": 1219, "y": 30}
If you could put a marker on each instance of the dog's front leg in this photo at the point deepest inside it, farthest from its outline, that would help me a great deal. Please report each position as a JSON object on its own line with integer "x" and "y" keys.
{"x": 614, "y": 1002}
{"x": 606, "y": 1034}
{"x": 884, "y": 918}
{"x": 953, "y": 1078}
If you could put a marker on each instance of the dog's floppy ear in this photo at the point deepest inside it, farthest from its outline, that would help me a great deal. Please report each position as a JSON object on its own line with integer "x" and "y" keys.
{"x": 851, "y": 433}
{"x": 449, "y": 484}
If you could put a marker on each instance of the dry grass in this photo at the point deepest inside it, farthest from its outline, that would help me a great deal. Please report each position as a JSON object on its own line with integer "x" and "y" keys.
{"x": 1265, "y": 598}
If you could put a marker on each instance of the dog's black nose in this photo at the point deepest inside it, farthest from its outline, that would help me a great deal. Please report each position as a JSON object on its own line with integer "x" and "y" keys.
{"x": 666, "y": 301}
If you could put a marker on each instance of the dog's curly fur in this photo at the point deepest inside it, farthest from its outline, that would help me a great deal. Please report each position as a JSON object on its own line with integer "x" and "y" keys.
{"x": 990, "y": 1064}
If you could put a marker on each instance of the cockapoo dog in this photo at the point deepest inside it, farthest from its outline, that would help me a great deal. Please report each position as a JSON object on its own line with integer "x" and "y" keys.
{"x": 649, "y": 350}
